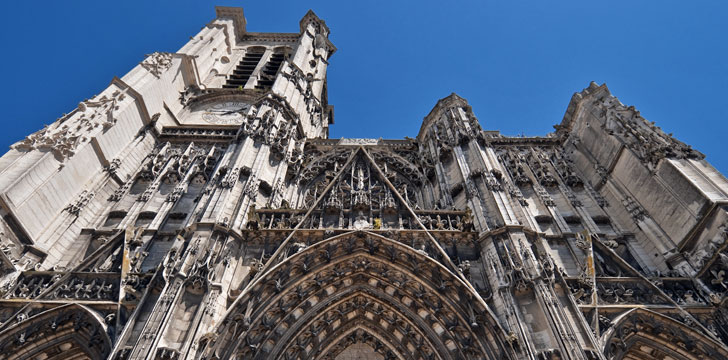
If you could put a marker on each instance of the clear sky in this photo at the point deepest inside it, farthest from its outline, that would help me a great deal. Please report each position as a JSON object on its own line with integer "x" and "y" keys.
{"x": 516, "y": 62}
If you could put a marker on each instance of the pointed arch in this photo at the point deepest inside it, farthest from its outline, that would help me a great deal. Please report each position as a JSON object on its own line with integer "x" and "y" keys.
{"x": 360, "y": 334}
{"x": 404, "y": 175}
{"x": 364, "y": 304}
{"x": 69, "y": 331}
{"x": 645, "y": 334}
{"x": 403, "y": 296}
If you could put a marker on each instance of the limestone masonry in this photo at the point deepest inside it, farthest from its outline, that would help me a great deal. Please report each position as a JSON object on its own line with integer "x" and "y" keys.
{"x": 197, "y": 209}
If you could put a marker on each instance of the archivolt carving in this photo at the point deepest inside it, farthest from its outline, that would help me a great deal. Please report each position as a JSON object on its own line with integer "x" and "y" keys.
{"x": 645, "y": 334}
{"x": 364, "y": 278}
{"x": 71, "y": 330}
{"x": 389, "y": 324}
{"x": 361, "y": 334}
{"x": 396, "y": 163}
{"x": 360, "y": 188}
{"x": 323, "y": 164}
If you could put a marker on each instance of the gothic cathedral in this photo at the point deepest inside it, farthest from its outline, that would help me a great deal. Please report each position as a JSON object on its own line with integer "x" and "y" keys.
{"x": 197, "y": 209}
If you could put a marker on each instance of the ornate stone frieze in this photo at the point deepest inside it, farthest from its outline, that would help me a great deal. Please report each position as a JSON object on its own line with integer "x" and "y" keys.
{"x": 518, "y": 195}
{"x": 83, "y": 199}
{"x": 635, "y": 210}
{"x": 648, "y": 141}
{"x": 251, "y": 187}
{"x": 113, "y": 166}
{"x": 64, "y": 136}
{"x": 545, "y": 196}
{"x": 176, "y": 193}
{"x": 229, "y": 178}
{"x": 256, "y": 236}
{"x": 157, "y": 62}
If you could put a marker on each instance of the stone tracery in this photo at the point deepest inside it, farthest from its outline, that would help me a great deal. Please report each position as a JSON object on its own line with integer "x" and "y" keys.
{"x": 185, "y": 235}
{"x": 355, "y": 270}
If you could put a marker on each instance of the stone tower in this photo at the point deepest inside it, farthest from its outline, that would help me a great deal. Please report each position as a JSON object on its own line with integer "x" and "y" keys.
{"x": 196, "y": 209}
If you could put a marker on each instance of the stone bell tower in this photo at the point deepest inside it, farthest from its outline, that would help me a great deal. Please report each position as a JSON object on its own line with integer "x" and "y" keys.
{"x": 197, "y": 209}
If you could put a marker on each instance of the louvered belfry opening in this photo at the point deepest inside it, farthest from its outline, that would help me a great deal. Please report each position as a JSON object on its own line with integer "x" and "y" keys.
{"x": 270, "y": 70}
{"x": 245, "y": 68}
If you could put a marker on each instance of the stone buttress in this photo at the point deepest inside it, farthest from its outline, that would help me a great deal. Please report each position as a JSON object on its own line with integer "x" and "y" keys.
{"x": 197, "y": 209}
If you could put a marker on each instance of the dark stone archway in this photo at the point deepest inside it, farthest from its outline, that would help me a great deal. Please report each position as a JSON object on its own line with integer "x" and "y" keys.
{"x": 645, "y": 334}
{"x": 66, "y": 332}
{"x": 400, "y": 301}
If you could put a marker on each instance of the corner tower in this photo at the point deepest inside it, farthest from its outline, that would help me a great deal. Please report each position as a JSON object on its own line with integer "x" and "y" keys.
{"x": 243, "y": 75}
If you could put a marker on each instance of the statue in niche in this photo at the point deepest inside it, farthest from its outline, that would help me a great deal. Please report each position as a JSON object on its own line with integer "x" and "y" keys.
{"x": 361, "y": 221}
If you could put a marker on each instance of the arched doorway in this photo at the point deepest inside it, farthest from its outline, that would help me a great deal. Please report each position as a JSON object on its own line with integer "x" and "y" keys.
{"x": 358, "y": 288}
{"x": 66, "y": 332}
{"x": 644, "y": 334}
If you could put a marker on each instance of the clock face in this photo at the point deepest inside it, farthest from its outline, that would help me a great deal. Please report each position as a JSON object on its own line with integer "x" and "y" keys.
{"x": 226, "y": 113}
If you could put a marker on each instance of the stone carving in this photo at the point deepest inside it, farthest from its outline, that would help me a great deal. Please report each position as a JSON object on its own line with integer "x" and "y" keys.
{"x": 64, "y": 136}
{"x": 251, "y": 188}
{"x": 189, "y": 93}
{"x": 113, "y": 166}
{"x": 119, "y": 193}
{"x": 176, "y": 193}
{"x": 637, "y": 212}
{"x": 711, "y": 247}
{"x": 518, "y": 195}
{"x": 304, "y": 85}
{"x": 545, "y": 196}
{"x": 596, "y": 196}
{"x": 267, "y": 239}
{"x": 648, "y": 142}
{"x": 229, "y": 178}
{"x": 157, "y": 63}
{"x": 87, "y": 335}
{"x": 349, "y": 141}
{"x": 83, "y": 199}
{"x": 603, "y": 173}
{"x": 86, "y": 289}
{"x": 148, "y": 193}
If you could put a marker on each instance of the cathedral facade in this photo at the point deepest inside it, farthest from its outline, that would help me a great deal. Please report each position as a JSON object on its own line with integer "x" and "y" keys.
{"x": 197, "y": 209}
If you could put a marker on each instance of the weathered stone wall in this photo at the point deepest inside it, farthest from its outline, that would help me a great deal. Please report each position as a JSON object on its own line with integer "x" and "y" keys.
{"x": 197, "y": 209}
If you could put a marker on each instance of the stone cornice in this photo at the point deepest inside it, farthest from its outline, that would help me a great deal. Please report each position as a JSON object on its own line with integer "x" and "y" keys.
{"x": 525, "y": 141}
{"x": 388, "y": 143}
{"x": 238, "y": 17}
{"x": 198, "y": 133}
{"x": 272, "y": 37}
{"x": 207, "y": 96}
{"x": 224, "y": 27}
{"x": 139, "y": 99}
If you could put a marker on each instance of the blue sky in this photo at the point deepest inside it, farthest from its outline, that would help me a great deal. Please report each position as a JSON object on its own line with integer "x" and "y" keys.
{"x": 517, "y": 62}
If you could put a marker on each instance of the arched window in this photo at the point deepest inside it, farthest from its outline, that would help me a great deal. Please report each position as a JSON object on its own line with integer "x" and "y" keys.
{"x": 245, "y": 68}
{"x": 268, "y": 73}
